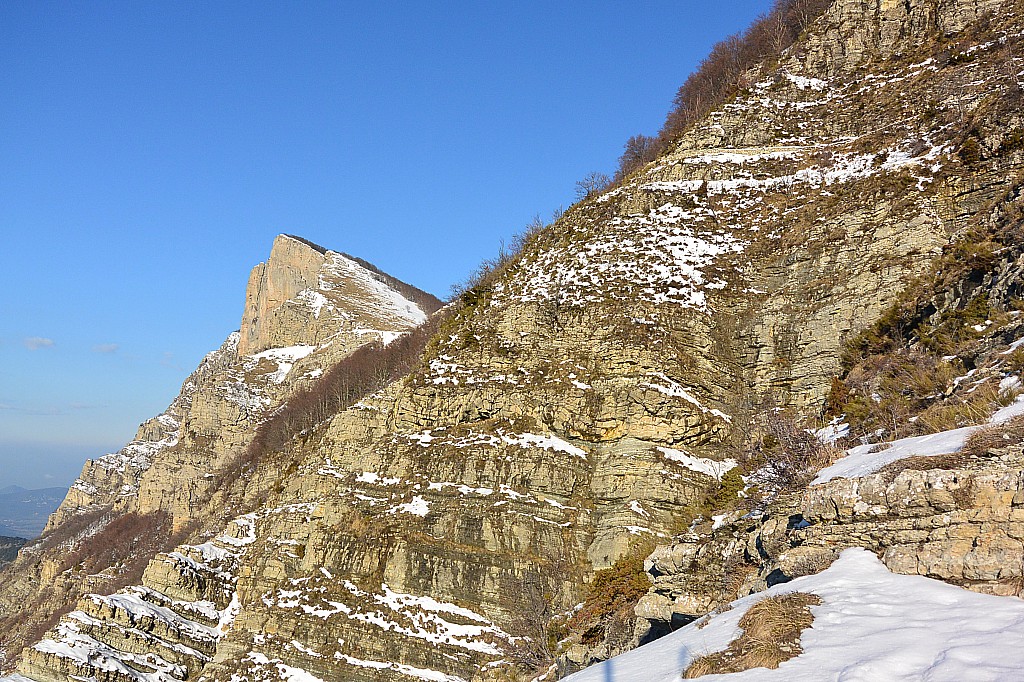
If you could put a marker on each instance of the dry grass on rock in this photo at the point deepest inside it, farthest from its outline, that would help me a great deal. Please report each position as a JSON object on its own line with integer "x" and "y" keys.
{"x": 771, "y": 635}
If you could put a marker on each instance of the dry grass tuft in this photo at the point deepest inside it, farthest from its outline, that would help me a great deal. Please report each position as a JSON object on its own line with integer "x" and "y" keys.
{"x": 955, "y": 460}
{"x": 993, "y": 437}
{"x": 771, "y": 635}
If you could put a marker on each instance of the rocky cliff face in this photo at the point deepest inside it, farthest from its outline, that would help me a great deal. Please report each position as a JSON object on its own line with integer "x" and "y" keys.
{"x": 306, "y": 308}
{"x": 576, "y": 406}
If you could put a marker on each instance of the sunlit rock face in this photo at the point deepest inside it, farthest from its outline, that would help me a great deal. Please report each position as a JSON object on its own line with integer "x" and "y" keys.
{"x": 570, "y": 410}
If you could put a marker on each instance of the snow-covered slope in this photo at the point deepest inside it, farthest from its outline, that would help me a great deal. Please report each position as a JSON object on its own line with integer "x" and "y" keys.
{"x": 867, "y": 459}
{"x": 871, "y": 625}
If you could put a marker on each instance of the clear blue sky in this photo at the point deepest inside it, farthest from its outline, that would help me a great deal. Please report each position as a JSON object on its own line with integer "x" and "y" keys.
{"x": 149, "y": 152}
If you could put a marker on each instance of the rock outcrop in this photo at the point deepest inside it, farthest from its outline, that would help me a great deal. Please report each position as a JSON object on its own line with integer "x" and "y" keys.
{"x": 961, "y": 524}
{"x": 577, "y": 405}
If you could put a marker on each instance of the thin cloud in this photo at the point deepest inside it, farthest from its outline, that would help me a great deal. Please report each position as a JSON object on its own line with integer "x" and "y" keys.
{"x": 105, "y": 348}
{"x": 168, "y": 360}
{"x": 37, "y": 342}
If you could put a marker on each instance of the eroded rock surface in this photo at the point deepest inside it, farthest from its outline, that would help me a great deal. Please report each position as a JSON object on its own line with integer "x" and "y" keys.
{"x": 579, "y": 402}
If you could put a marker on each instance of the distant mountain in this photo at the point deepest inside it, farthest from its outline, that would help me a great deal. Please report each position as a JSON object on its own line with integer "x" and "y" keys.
{"x": 9, "y": 548}
{"x": 23, "y": 513}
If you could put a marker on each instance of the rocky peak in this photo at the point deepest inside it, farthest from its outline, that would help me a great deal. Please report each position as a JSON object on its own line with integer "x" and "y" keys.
{"x": 303, "y": 294}
{"x": 306, "y": 308}
{"x": 293, "y": 267}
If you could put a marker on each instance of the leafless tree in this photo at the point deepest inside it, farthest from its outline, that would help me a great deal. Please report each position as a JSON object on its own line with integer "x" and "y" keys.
{"x": 591, "y": 184}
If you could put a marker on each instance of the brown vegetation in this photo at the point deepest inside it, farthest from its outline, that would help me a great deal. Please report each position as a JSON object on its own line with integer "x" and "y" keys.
{"x": 611, "y": 597}
{"x": 898, "y": 375}
{"x": 722, "y": 74}
{"x": 534, "y": 625}
{"x": 783, "y": 456}
{"x": 110, "y": 552}
{"x": 771, "y": 636}
{"x": 367, "y": 370}
{"x": 997, "y": 436}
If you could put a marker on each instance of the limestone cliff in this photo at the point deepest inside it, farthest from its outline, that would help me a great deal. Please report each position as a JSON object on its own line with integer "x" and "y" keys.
{"x": 577, "y": 405}
{"x": 315, "y": 306}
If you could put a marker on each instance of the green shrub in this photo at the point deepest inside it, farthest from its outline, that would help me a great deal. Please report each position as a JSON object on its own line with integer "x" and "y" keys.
{"x": 725, "y": 496}
{"x": 612, "y": 595}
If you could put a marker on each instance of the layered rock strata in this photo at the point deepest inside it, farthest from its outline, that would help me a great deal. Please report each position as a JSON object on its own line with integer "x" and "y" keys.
{"x": 310, "y": 307}
{"x": 574, "y": 406}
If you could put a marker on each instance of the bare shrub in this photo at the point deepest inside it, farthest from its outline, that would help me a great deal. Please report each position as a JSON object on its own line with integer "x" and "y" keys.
{"x": 954, "y": 460}
{"x": 638, "y": 151}
{"x": 720, "y": 74}
{"x": 996, "y": 436}
{"x": 784, "y": 456}
{"x": 534, "y": 624}
{"x": 478, "y": 284}
{"x": 113, "y": 551}
{"x": 771, "y": 636}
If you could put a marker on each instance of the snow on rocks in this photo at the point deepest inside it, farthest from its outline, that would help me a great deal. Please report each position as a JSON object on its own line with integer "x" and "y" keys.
{"x": 377, "y": 299}
{"x": 262, "y": 668}
{"x": 674, "y": 389}
{"x": 419, "y": 617}
{"x": 871, "y": 625}
{"x": 285, "y": 358}
{"x": 658, "y": 256}
{"x": 137, "y": 456}
{"x": 315, "y": 301}
{"x": 180, "y": 635}
{"x": 842, "y": 168}
{"x": 416, "y": 507}
{"x": 805, "y": 83}
{"x": 500, "y": 437}
{"x": 702, "y": 465}
{"x": 867, "y": 459}
{"x": 82, "y": 651}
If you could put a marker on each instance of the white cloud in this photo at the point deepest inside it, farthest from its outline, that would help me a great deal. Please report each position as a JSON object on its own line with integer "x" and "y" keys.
{"x": 37, "y": 342}
{"x": 105, "y": 348}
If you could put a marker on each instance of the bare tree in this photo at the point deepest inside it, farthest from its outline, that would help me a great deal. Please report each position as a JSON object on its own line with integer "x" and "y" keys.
{"x": 591, "y": 184}
{"x": 639, "y": 150}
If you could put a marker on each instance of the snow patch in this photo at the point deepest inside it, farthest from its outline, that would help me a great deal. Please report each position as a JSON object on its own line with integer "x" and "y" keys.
{"x": 702, "y": 465}
{"x": 285, "y": 358}
{"x": 417, "y": 507}
{"x": 867, "y": 459}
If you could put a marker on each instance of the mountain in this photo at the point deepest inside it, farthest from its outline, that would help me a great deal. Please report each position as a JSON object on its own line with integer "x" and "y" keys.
{"x": 606, "y": 436}
{"x": 9, "y": 548}
{"x": 23, "y": 513}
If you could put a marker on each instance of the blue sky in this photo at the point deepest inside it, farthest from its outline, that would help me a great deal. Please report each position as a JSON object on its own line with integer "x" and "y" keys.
{"x": 149, "y": 152}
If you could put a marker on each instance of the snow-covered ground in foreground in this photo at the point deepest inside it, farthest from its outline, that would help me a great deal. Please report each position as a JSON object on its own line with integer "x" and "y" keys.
{"x": 867, "y": 459}
{"x": 872, "y": 626}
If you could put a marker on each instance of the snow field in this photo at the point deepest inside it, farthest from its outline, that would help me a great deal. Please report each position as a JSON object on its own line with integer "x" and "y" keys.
{"x": 872, "y": 625}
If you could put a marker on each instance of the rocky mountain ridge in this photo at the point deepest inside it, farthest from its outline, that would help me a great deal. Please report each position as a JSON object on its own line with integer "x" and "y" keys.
{"x": 151, "y": 491}
{"x": 577, "y": 406}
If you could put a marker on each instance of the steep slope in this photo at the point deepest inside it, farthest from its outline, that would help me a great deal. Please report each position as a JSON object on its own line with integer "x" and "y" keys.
{"x": 637, "y": 331}
{"x": 309, "y": 308}
{"x": 578, "y": 404}
{"x": 9, "y": 548}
